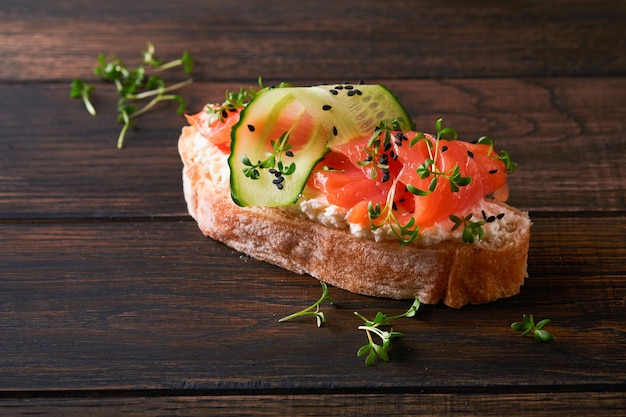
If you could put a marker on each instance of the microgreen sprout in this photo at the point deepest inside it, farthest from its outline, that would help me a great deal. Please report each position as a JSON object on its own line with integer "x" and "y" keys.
{"x": 506, "y": 158}
{"x": 81, "y": 89}
{"x": 471, "y": 229}
{"x": 378, "y": 145}
{"x": 503, "y": 155}
{"x": 239, "y": 99}
{"x": 372, "y": 350}
{"x": 273, "y": 162}
{"x": 529, "y": 328}
{"x": 314, "y": 309}
{"x": 135, "y": 84}
{"x": 429, "y": 168}
{"x": 445, "y": 132}
{"x": 397, "y": 124}
{"x": 378, "y": 216}
{"x": 186, "y": 61}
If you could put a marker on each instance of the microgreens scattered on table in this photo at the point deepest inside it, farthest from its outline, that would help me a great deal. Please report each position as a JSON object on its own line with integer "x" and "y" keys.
{"x": 374, "y": 327}
{"x": 379, "y": 327}
{"x": 136, "y": 85}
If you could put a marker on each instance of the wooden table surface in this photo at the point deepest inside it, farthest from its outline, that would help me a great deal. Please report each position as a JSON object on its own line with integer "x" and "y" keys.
{"x": 113, "y": 303}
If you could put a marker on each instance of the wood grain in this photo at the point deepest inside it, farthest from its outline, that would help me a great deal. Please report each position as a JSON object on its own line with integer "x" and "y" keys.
{"x": 124, "y": 306}
{"x": 388, "y": 404}
{"x": 314, "y": 40}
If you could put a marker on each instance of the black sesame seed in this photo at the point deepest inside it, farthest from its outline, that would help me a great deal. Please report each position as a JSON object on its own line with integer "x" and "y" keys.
{"x": 277, "y": 173}
{"x": 326, "y": 107}
{"x": 232, "y": 110}
{"x": 335, "y": 131}
{"x": 349, "y": 87}
{"x": 339, "y": 87}
{"x": 251, "y": 128}
{"x": 470, "y": 153}
{"x": 368, "y": 158}
{"x": 499, "y": 216}
{"x": 278, "y": 180}
{"x": 358, "y": 92}
{"x": 402, "y": 200}
{"x": 273, "y": 171}
{"x": 387, "y": 146}
{"x": 385, "y": 171}
{"x": 224, "y": 114}
{"x": 490, "y": 219}
{"x": 494, "y": 171}
{"x": 279, "y": 186}
{"x": 350, "y": 93}
{"x": 483, "y": 213}
{"x": 334, "y": 92}
{"x": 289, "y": 154}
{"x": 444, "y": 148}
{"x": 398, "y": 143}
{"x": 385, "y": 178}
{"x": 401, "y": 136}
{"x": 394, "y": 206}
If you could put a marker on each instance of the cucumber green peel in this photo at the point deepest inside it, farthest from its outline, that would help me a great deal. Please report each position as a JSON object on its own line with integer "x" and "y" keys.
{"x": 283, "y": 132}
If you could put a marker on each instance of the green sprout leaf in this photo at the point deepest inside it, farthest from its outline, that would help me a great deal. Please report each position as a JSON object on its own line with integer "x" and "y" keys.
{"x": 416, "y": 191}
{"x": 527, "y": 327}
{"x": 471, "y": 230}
{"x": 372, "y": 350}
{"x": 510, "y": 165}
{"x": 445, "y": 132}
{"x": 314, "y": 309}
{"x": 82, "y": 90}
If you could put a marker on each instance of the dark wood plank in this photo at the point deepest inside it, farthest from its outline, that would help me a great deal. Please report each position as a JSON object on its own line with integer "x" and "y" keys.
{"x": 348, "y": 39}
{"x": 154, "y": 305}
{"x": 592, "y": 404}
{"x": 57, "y": 160}
{"x": 565, "y": 134}
{"x": 112, "y": 302}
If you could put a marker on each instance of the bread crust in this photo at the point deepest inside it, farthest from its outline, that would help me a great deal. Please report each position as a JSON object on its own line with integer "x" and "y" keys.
{"x": 451, "y": 271}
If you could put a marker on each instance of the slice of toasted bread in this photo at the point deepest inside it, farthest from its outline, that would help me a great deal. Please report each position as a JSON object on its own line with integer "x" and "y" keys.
{"x": 451, "y": 271}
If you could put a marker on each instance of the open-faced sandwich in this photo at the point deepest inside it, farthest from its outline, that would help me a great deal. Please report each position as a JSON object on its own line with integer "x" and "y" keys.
{"x": 335, "y": 181}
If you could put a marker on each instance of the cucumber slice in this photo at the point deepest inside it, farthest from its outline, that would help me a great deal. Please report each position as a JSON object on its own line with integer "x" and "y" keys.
{"x": 284, "y": 132}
